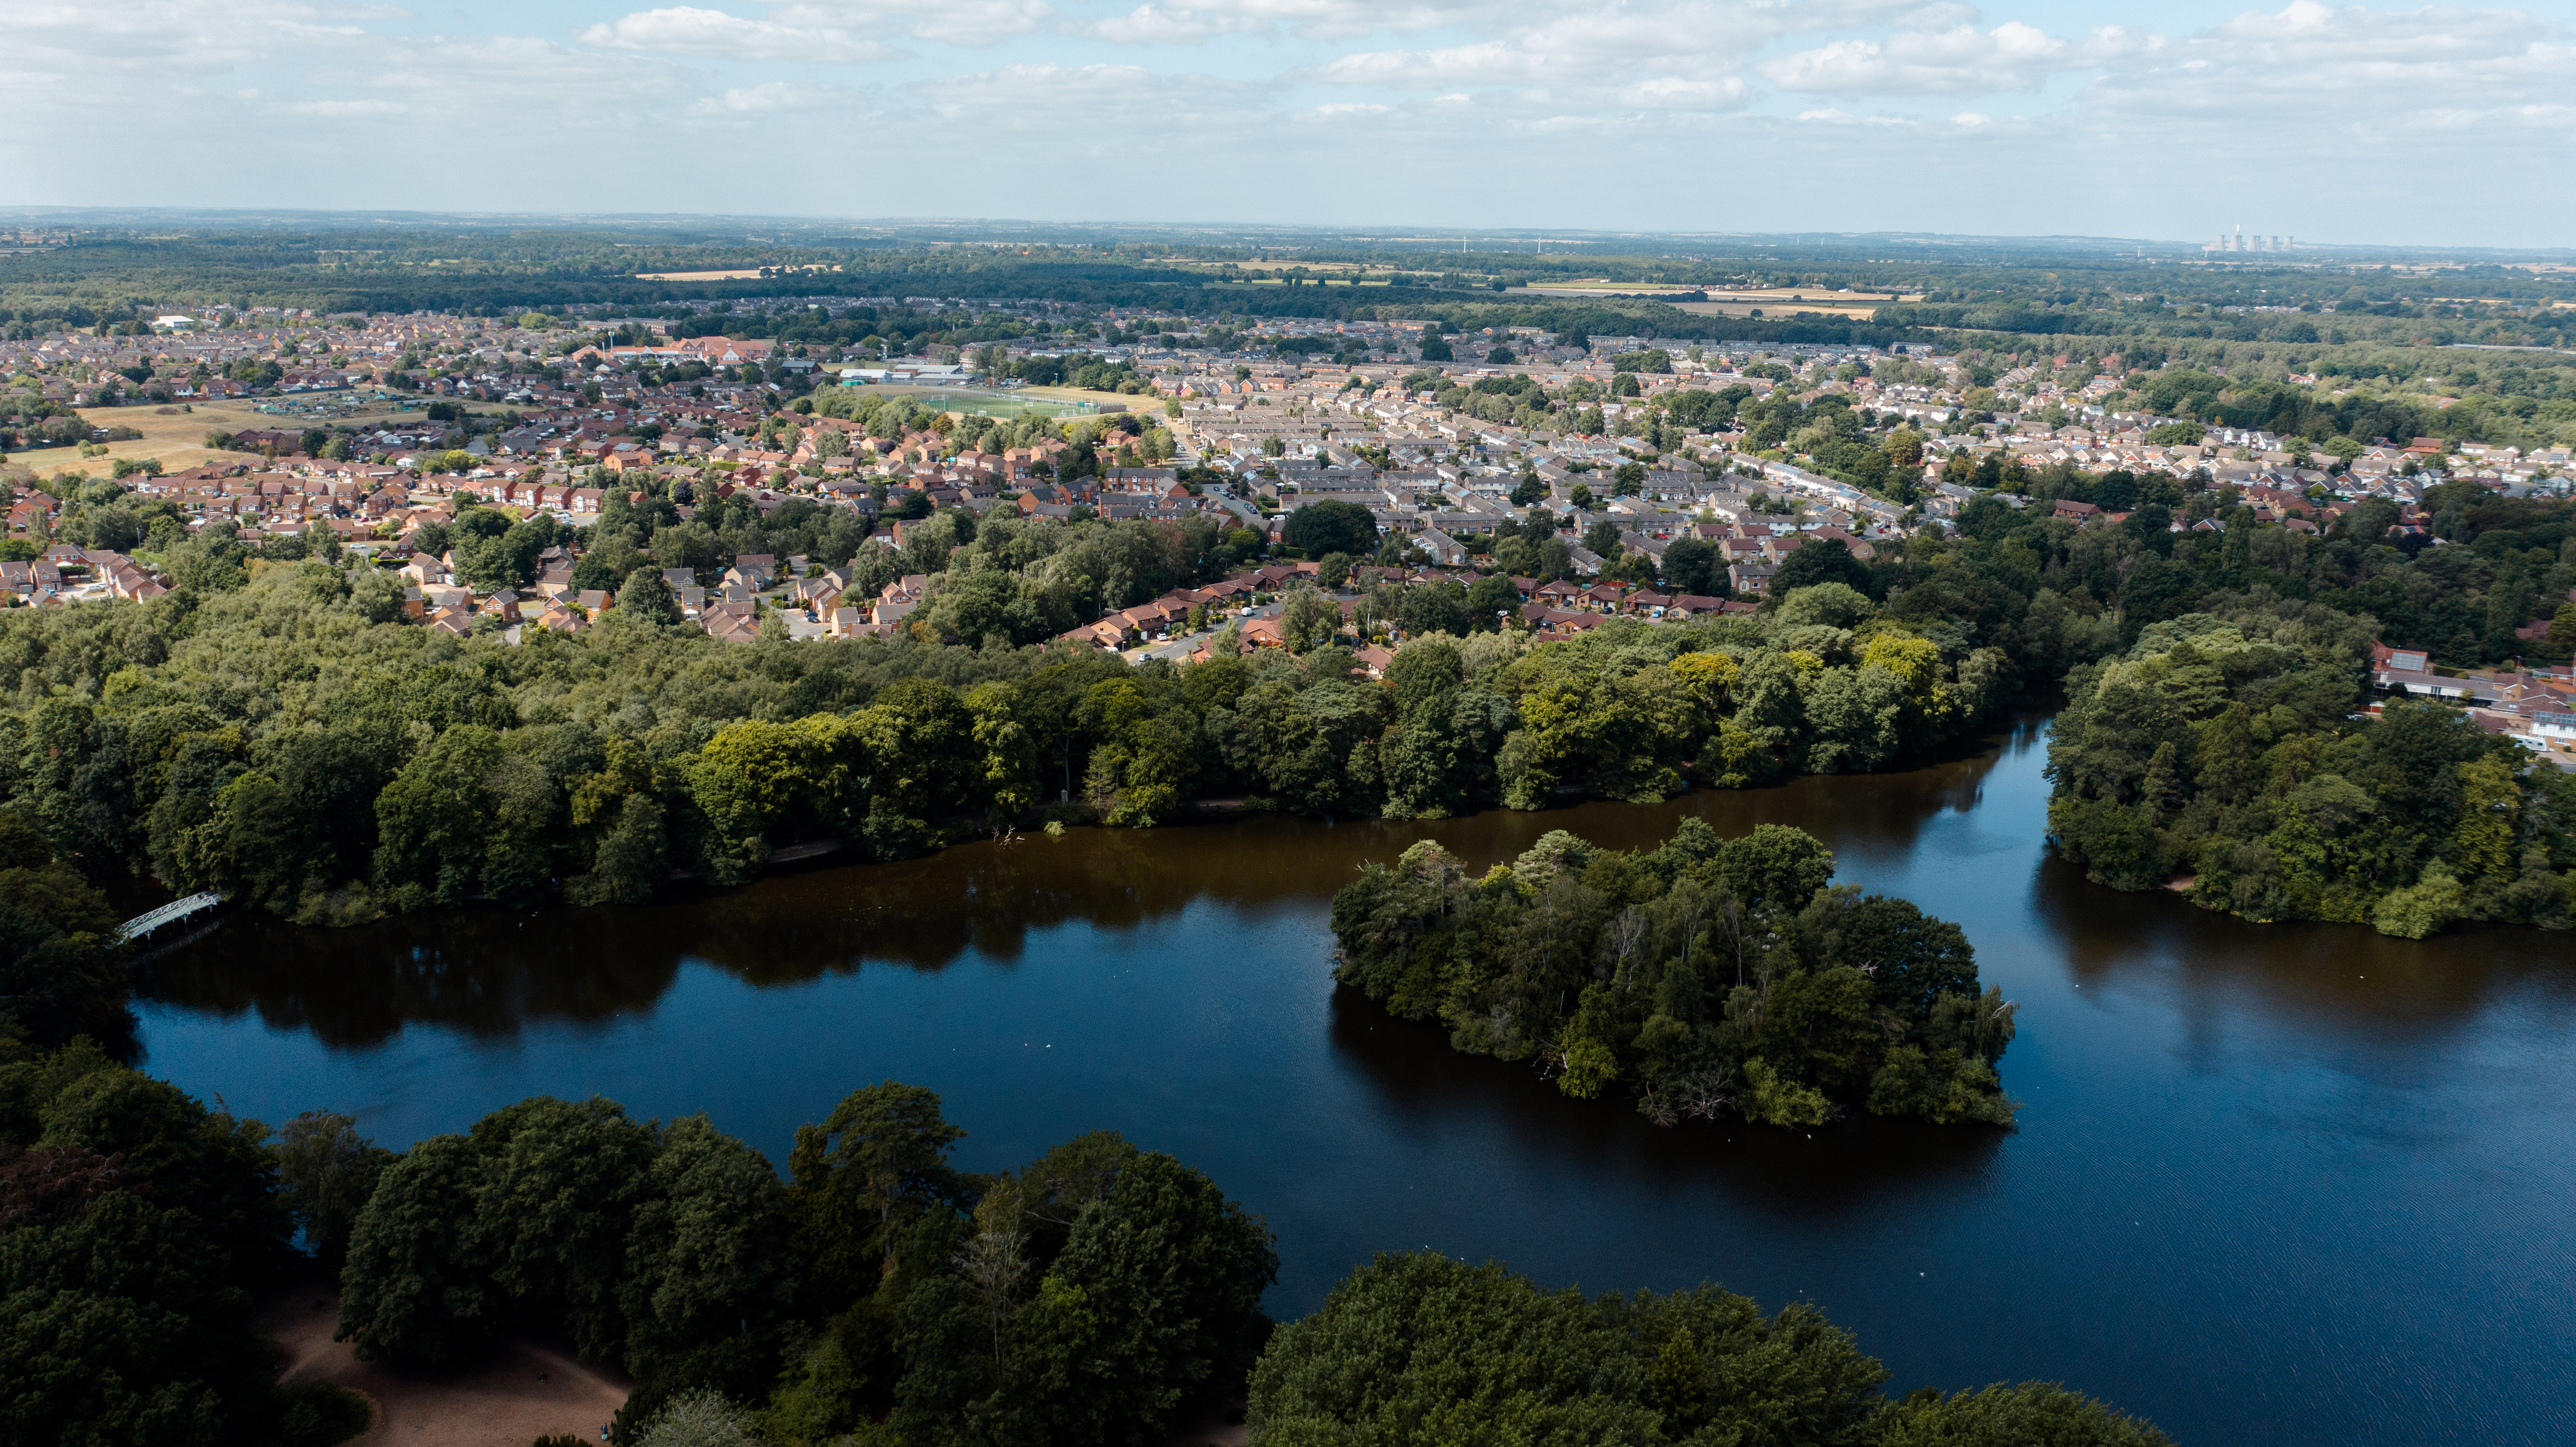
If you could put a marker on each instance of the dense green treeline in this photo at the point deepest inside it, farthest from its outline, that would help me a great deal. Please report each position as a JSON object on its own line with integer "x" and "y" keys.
{"x": 1084, "y": 1298}
{"x": 2225, "y": 746}
{"x": 2224, "y": 741}
{"x": 874, "y": 1295}
{"x": 2398, "y": 326}
{"x": 1399, "y": 1350}
{"x": 1708, "y": 976}
{"x": 60, "y": 975}
{"x": 2019, "y": 285}
{"x": 281, "y": 737}
{"x": 2348, "y": 396}
{"x": 2317, "y": 310}
{"x": 2485, "y": 565}
{"x": 270, "y": 729}
{"x": 136, "y": 1227}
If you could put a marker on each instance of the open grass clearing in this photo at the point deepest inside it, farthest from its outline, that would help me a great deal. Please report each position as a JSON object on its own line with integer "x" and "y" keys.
{"x": 175, "y": 434}
{"x": 739, "y": 273}
{"x": 1778, "y": 310}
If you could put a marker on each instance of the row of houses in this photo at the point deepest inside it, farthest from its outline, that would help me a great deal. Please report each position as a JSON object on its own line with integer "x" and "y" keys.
{"x": 66, "y": 574}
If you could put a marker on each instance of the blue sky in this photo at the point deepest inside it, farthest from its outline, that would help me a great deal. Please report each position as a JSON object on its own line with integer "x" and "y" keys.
{"x": 2443, "y": 125}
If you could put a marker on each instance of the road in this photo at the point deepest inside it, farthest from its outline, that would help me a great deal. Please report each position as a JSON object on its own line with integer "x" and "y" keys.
{"x": 1178, "y": 648}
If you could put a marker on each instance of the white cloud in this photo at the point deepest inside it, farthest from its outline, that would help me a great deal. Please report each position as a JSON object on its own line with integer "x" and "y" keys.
{"x": 947, "y": 22}
{"x": 1595, "y": 55}
{"x": 312, "y": 102}
{"x": 1491, "y": 62}
{"x": 688, "y": 30}
{"x": 1097, "y": 107}
{"x": 132, "y": 34}
{"x": 2309, "y": 33}
{"x": 1192, "y": 21}
{"x": 771, "y": 98}
{"x": 1680, "y": 93}
{"x": 1958, "y": 61}
{"x": 1836, "y": 116}
{"x": 2347, "y": 74}
{"x": 820, "y": 32}
{"x": 342, "y": 108}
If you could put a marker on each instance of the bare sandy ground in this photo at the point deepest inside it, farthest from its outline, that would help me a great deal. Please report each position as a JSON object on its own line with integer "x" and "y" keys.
{"x": 522, "y": 1391}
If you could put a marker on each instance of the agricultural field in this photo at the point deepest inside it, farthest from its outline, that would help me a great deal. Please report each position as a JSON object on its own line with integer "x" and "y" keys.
{"x": 175, "y": 435}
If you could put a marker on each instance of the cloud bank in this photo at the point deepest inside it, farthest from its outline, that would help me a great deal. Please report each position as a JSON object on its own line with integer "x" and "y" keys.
{"x": 2100, "y": 117}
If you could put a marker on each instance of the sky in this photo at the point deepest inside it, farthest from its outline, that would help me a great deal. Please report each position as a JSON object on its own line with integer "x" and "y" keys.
{"x": 2367, "y": 123}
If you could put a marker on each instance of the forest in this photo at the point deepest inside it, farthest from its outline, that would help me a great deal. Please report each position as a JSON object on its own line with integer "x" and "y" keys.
{"x": 270, "y": 729}
{"x": 2066, "y": 294}
{"x": 2226, "y": 743}
{"x": 876, "y": 1294}
{"x": 1705, "y": 977}
{"x": 1406, "y": 1337}
{"x": 2224, "y": 750}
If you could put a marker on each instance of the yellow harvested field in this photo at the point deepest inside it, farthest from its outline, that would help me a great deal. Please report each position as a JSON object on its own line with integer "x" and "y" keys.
{"x": 738, "y": 274}
{"x": 1275, "y": 264}
{"x": 1772, "y": 302}
{"x": 178, "y": 438}
{"x": 1599, "y": 288}
{"x": 1776, "y": 310}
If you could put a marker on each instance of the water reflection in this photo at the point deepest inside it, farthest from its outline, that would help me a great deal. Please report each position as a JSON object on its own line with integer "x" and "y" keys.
{"x": 2287, "y": 1184}
{"x": 489, "y": 973}
{"x": 1414, "y": 1074}
{"x": 2335, "y": 978}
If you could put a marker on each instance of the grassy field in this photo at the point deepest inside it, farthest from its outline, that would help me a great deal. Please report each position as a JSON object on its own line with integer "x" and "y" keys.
{"x": 737, "y": 274}
{"x": 1759, "y": 297}
{"x": 1598, "y": 288}
{"x": 1779, "y": 310}
{"x": 1060, "y": 401}
{"x": 1858, "y": 306}
{"x": 1148, "y": 405}
{"x": 178, "y": 438}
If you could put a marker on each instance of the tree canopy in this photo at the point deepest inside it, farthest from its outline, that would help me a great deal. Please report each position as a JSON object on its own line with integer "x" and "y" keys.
{"x": 1331, "y": 526}
{"x": 1706, "y": 977}
{"x": 1413, "y": 1345}
{"x": 135, "y": 1227}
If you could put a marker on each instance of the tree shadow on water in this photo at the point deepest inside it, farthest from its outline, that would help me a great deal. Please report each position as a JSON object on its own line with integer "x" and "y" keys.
{"x": 1856, "y": 1164}
{"x": 2329, "y": 979}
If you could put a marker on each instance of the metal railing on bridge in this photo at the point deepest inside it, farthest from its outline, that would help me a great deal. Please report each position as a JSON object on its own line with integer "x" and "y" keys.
{"x": 171, "y": 913}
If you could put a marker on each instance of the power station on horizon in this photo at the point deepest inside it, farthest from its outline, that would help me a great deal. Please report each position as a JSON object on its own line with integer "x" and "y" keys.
{"x": 2237, "y": 240}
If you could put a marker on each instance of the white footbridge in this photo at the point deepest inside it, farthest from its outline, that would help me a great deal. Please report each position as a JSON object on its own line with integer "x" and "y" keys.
{"x": 171, "y": 913}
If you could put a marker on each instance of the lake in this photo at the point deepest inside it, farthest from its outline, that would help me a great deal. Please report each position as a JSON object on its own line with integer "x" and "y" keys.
{"x": 2271, "y": 1184}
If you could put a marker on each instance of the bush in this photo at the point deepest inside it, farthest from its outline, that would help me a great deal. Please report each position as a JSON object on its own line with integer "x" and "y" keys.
{"x": 697, "y": 1419}
{"x": 2420, "y": 910}
{"x": 319, "y": 1414}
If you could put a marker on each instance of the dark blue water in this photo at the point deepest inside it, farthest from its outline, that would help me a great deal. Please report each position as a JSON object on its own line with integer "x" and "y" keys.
{"x": 2270, "y": 1185}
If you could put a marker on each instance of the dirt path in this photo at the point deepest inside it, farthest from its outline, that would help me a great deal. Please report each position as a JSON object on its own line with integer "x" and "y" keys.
{"x": 522, "y": 1391}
